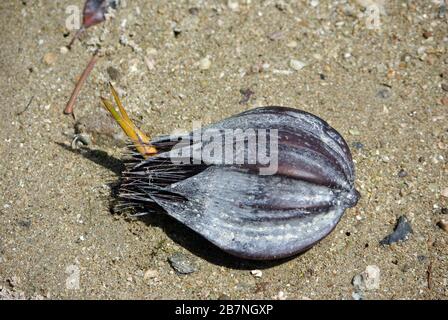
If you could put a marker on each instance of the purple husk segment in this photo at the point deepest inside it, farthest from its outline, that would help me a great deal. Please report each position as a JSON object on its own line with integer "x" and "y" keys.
{"x": 94, "y": 12}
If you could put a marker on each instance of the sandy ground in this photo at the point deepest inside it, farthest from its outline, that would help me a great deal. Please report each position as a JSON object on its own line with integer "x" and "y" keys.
{"x": 381, "y": 89}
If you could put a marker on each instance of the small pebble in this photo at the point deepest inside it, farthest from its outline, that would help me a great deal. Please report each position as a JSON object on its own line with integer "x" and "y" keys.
{"x": 444, "y": 193}
{"x": 384, "y": 93}
{"x": 357, "y": 296}
{"x": 233, "y": 5}
{"x": 314, "y": 3}
{"x": 385, "y": 159}
{"x": 181, "y": 264}
{"x": 113, "y": 73}
{"x": 150, "y": 63}
{"x": 296, "y": 64}
{"x": 277, "y": 35}
{"x": 247, "y": 94}
{"x": 292, "y": 44}
{"x": 443, "y": 224}
{"x": 64, "y": 50}
{"x": 422, "y": 258}
{"x": 369, "y": 279}
{"x": 205, "y": 63}
{"x": 445, "y": 86}
{"x": 400, "y": 233}
{"x": 358, "y": 145}
{"x": 257, "y": 273}
{"x": 193, "y": 11}
{"x": 444, "y": 101}
{"x": 427, "y": 34}
{"x": 402, "y": 173}
{"x": 50, "y": 58}
{"x": 150, "y": 274}
{"x": 354, "y": 132}
{"x": 281, "y": 295}
{"x": 444, "y": 211}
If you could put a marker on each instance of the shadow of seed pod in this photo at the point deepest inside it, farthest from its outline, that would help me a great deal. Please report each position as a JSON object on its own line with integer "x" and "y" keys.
{"x": 245, "y": 205}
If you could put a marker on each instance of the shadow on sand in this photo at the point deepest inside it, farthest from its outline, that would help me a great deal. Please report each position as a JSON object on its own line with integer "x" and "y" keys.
{"x": 178, "y": 232}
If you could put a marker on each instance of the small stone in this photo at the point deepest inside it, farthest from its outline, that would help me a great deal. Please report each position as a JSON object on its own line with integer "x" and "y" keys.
{"x": 384, "y": 93}
{"x": 281, "y": 295}
{"x": 113, "y": 73}
{"x": 444, "y": 211}
{"x": 233, "y": 5}
{"x": 422, "y": 258}
{"x": 443, "y": 224}
{"x": 193, "y": 11}
{"x": 385, "y": 159}
{"x": 314, "y": 3}
{"x": 292, "y": 44}
{"x": 205, "y": 63}
{"x": 358, "y": 145}
{"x": 354, "y": 132}
{"x": 427, "y": 34}
{"x": 402, "y": 173}
{"x": 444, "y": 193}
{"x": 445, "y": 86}
{"x": 444, "y": 101}
{"x": 247, "y": 94}
{"x": 13, "y": 281}
{"x": 391, "y": 73}
{"x": 63, "y": 50}
{"x": 357, "y": 296}
{"x": 296, "y": 64}
{"x": 81, "y": 139}
{"x": 50, "y": 58}
{"x": 257, "y": 273}
{"x": 150, "y": 274}
{"x": 181, "y": 264}
{"x": 369, "y": 279}
{"x": 400, "y": 233}
{"x": 150, "y": 63}
{"x": 277, "y": 35}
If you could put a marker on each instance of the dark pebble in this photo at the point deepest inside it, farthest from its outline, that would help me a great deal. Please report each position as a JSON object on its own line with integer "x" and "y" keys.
{"x": 177, "y": 32}
{"x": 358, "y": 145}
{"x": 24, "y": 223}
{"x": 322, "y": 76}
{"x": 113, "y": 73}
{"x": 401, "y": 232}
{"x": 181, "y": 264}
{"x": 422, "y": 258}
{"x": 384, "y": 93}
{"x": 444, "y": 211}
{"x": 193, "y": 11}
{"x": 442, "y": 224}
{"x": 247, "y": 94}
{"x": 402, "y": 173}
{"x": 427, "y": 34}
{"x": 445, "y": 86}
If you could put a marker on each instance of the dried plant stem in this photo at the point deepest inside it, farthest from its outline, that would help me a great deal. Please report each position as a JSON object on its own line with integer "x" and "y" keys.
{"x": 69, "y": 108}
{"x": 76, "y": 36}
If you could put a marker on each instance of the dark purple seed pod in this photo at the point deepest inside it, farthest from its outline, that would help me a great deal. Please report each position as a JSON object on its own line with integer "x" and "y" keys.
{"x": 237, "y": 206}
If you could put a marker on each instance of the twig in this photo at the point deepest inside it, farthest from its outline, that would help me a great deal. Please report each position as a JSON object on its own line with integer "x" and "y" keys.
{"x": 69, "y": 108}
{"x": 429, "y": 275}
{"x": 27, "y": 106}
{"x": 76, "y": 36}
